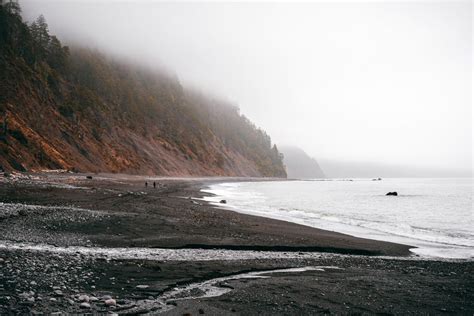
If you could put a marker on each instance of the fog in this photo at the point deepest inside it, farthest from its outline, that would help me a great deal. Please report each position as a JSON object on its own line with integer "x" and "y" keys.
{"x": 374, "y": 82}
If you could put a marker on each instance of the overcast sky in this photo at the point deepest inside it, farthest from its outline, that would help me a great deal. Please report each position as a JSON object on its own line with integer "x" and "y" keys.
{"x": 385, "y": 82}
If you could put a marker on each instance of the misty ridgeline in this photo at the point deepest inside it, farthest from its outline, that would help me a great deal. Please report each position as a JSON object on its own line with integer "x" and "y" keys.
{"x": 79, "y": 110}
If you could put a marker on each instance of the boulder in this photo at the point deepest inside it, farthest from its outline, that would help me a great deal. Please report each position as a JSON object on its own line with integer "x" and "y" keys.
{"x": 223, "y": 201}
{"x": 392, "y": 193}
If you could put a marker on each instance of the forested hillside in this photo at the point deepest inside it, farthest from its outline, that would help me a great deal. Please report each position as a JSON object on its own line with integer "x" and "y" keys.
{"x": 77, "y": 109}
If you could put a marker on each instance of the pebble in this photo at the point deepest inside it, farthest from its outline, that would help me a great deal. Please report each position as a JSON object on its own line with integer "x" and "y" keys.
{"x": 83, "y": 298}
{"x": 110, "y": 302}
{"x": 141, "y": 286}
{"x": 85, "y": 305}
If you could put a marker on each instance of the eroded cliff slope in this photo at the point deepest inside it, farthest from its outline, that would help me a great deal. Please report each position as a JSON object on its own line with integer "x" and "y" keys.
{"x": 77, "y": 109}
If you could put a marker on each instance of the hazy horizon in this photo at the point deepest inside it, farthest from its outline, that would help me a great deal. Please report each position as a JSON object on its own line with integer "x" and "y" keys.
{"x": 378, "y": 82}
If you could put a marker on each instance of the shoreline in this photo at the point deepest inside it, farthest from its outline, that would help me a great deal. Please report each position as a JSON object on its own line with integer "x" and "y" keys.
{"x": 108, "y": 237}
{"x": 171, "y": 217}
{"x": 240, "y": 198}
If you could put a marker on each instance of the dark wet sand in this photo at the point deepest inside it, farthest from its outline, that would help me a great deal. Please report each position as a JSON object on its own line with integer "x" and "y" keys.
{"x": 166, "y": 217}
{"x": 130, "y": 215}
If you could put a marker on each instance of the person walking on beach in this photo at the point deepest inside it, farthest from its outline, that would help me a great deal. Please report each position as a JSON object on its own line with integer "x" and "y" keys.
{"x": 146, "y": 184}
{"x": 154, "y": 184}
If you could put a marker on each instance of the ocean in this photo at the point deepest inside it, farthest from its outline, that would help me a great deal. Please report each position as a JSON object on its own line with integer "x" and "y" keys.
{"x": 434, "y": 215}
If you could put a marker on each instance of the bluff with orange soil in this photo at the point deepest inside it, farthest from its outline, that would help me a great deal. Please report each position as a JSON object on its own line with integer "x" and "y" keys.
{"x": 77, "y": 109}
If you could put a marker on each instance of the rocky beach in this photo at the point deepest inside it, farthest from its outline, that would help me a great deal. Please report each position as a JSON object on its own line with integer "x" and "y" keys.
{"x": 103, "y": 243}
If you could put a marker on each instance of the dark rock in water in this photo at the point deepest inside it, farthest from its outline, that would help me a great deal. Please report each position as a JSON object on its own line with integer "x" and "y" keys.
{"x": 392, "y": 193}
{"x": 223, "y": 201}
{"x": 89, "y": 177}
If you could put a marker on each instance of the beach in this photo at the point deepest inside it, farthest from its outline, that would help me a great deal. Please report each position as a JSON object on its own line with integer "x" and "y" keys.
{"x": 58, "y": 232}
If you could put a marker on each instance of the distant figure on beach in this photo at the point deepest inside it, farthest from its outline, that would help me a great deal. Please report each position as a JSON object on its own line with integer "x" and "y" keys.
{"x": 146, "y": 184}
{"x": 154, "y": 184}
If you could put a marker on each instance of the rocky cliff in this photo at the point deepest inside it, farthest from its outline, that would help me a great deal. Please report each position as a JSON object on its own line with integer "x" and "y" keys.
{"x": 299, "y": 165}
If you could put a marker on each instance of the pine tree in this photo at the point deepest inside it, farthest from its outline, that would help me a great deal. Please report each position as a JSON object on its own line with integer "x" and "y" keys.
{"x": 12, "y": 7}
{"x": 40, "y": 32}
{"x": 57, "y": 54}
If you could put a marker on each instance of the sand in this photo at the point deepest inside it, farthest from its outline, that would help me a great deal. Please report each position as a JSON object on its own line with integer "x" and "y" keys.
{"x": 77, "y": 217}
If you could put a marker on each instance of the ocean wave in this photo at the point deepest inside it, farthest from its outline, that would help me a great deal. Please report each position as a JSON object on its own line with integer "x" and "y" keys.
{"x": 354, "y": 213}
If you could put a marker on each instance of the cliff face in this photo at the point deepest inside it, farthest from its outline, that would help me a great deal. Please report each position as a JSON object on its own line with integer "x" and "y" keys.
{"x": 79, "y": 110}
{"x": 299, "y": 165}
